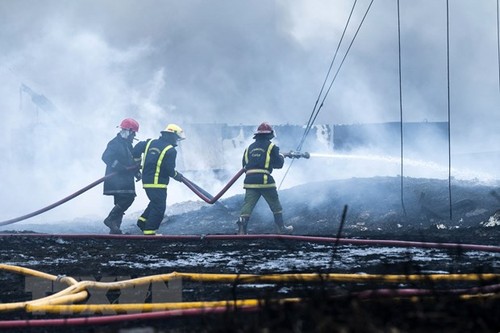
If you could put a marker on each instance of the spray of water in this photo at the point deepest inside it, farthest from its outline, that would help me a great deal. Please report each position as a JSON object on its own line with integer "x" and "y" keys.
{"x": 422, "y": 165}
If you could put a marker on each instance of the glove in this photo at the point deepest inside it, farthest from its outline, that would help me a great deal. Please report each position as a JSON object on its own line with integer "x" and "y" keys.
{"x": 135, "y": 167}
{"x": 178, "y": 176}
{"x": 138, "y": 176}
{"x": 118, "y": 166}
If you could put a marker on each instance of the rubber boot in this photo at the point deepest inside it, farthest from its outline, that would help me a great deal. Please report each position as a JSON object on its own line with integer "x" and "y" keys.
{"x": 281, "y": 228}
{"x": 114, "y": 220}
{"x": 242, "y": 225}
{"x": 141, "y": 223}
{"x": 118, "y": 224}
{"x": 150, "y": 233}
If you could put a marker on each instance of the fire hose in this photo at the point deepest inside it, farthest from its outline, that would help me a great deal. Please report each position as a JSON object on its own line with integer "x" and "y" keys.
{"x": 58, "y": 203}
{"x": 204, "y": 195}
{"x": 200, "y": 192}
{"x": 208, "y": 198}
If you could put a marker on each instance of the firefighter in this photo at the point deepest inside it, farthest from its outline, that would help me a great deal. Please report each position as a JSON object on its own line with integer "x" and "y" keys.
{"x": 119, "y": 159}
{"x": 259, "y": 160}
{"x": 158, "y": 165}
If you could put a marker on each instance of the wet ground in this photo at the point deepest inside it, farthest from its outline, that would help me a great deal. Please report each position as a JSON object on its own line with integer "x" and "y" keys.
{"x": 374, "y": 211}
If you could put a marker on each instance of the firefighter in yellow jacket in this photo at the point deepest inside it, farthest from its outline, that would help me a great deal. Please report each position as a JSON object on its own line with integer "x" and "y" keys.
{"x": 259, "y": 160}
{"x": 158, "y": 166}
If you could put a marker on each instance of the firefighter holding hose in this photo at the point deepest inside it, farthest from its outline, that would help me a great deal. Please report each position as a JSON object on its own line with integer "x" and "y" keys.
{"x": 259, "y": 160}
{"x": 120, "y": 161}
{"x": 158, "y": 166}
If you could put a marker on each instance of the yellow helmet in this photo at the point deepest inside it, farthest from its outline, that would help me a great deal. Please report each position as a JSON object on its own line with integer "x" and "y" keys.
{"x": 176, "y": 129}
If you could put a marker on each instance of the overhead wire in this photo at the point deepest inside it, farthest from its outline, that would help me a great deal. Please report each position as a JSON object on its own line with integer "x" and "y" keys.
{"x": 498, "y": 41}
{"x": 335, "y": 77}
{"x": 401, "y": 111}
{"x": 316, "y": 108}
{"x": 448, "y": 104}
{"x": 310, "y": 120}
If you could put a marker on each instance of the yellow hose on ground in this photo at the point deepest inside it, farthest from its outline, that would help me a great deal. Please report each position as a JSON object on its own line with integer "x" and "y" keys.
{"x": 148, "y": 307}
{"x": 31, "y": 272}
{"x": 475, "y": 296}
{"x": 315, "y": 277}
{"x": 65, "y": 299}
{"x": 151, "y": 307}
{"x": 252, "y": 278}
{"x": 78, "y": 291}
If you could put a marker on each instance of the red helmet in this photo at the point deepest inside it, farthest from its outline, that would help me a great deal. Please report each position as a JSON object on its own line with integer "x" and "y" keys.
{"x": 129, "y": 124}
{"x": 264, "y": 128}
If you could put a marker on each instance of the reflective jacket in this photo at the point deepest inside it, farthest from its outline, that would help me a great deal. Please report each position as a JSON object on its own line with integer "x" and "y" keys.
{"x": 259, "y": 160}
{"x": 118, "y": 156}
{"x": 158, "y": 161}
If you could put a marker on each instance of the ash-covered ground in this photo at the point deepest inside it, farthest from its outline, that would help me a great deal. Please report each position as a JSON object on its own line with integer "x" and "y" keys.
{"x": 374, "y": 211}
{"x": 375, "y": 206}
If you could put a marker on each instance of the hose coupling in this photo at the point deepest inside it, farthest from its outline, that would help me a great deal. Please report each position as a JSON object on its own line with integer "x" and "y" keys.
{"x": 60, "y": 277}
{"x": 297, "y": 154}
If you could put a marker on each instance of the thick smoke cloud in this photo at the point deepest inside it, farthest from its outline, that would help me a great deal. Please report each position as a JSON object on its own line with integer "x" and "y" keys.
{"x": 235, "y": 62}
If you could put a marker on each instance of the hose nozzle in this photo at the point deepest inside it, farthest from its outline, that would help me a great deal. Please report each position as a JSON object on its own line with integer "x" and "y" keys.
{"x": 297, "y": 154}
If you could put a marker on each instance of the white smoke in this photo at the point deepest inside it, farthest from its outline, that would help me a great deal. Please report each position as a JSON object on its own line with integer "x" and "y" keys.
{"x": 235, "y": 62}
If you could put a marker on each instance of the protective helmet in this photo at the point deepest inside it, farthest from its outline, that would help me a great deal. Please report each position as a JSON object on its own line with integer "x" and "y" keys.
{"x": 264, "y": 128}
{"x": 176, "y": 129}
{"x": 129, "y": 124}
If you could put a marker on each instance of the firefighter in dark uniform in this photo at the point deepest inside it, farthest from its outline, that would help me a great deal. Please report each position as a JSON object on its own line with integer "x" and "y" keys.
{"x": 158, "y": 165}
{"x": 259, "y": 160}
{"x": 119, "y": 160}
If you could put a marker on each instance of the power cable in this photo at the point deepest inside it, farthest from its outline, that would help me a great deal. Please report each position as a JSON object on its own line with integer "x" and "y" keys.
{"x": 315, "y": 112}
{"x": 401, "y": 111}
{"x": 498, "y": 41}
{"x": 448, "y": 102}
{"x": 309, "y": 122}
{"x": 335, "y": 77}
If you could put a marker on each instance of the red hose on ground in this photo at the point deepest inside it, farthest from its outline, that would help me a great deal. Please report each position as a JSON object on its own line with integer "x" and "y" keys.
{"x": 204, "y": 195}
{"x": 58, "y": 203}
{"x": 101, "y": 320}
{"x": 207, "y": 197}
{"x": 314, "y": 239}
{"x": 409, "y": 292}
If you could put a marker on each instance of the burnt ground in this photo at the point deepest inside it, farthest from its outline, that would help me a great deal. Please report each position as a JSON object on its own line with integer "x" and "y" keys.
{"x": 374, "y": 206}
{"x": 374, "y": 211}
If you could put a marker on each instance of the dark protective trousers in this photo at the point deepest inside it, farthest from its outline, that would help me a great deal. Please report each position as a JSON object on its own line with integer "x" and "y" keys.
{"x": 122, "y": 203}
{"x": 124, "y": 200}
{"x": 155, "y": 211}
{"x": 252, "y": 195}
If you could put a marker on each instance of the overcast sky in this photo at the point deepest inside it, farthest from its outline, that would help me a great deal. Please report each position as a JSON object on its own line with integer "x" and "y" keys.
{"x": 230, "y": 61}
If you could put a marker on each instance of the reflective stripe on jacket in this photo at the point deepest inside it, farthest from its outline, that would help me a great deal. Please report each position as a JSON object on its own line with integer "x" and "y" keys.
{"x": 158, "y": 162}
{"x": 259, "y": 160}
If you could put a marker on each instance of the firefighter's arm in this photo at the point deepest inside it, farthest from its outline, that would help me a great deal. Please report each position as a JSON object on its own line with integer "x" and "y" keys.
{"x": 170, "y": 157}
{"x": 111, "y": 158}
{"x": 277, "y": 159}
